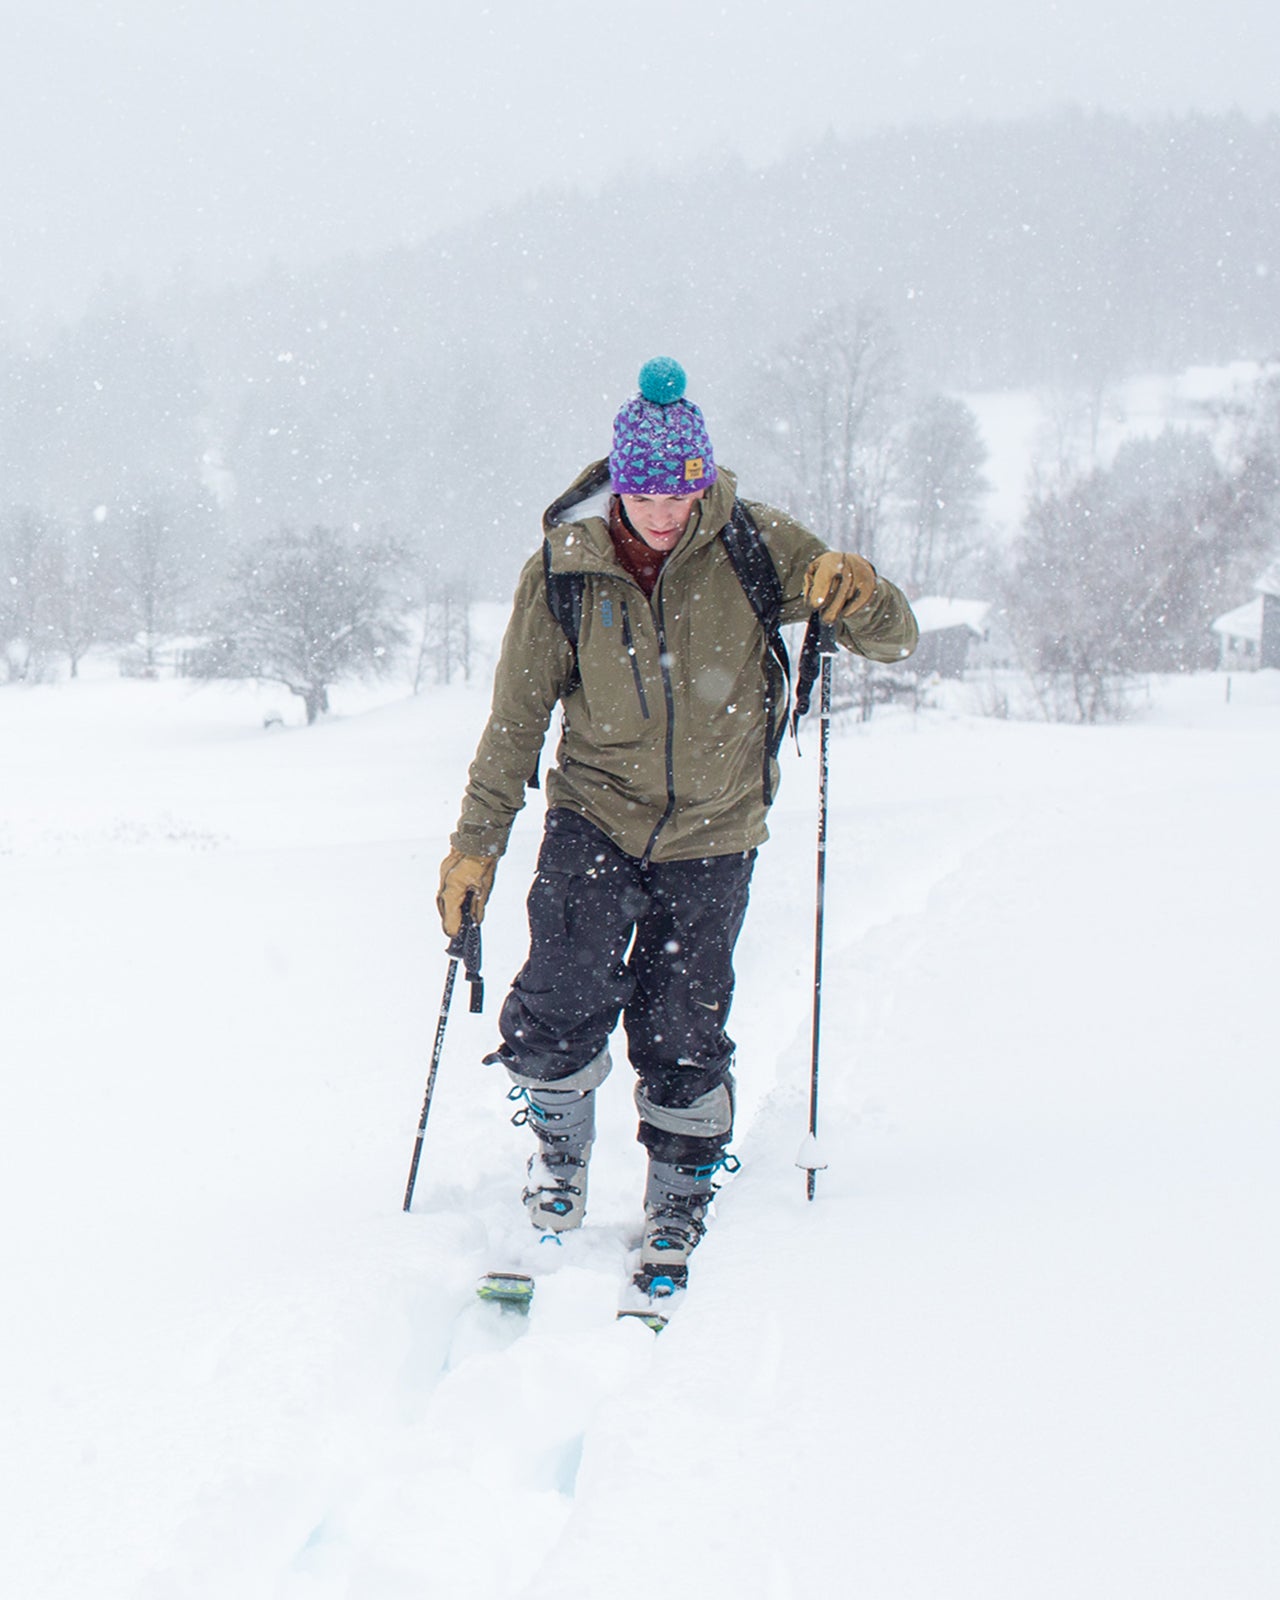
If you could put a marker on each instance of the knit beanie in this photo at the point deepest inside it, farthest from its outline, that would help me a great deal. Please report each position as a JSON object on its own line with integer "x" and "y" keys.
{"x": 660, "y": 443}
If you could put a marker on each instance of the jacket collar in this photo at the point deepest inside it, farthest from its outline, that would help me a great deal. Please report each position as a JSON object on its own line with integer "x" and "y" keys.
{"x": 584, "y": 545}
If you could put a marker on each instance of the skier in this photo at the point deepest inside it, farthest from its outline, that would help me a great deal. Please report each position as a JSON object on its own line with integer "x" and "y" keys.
{"x": 636, "y": 618}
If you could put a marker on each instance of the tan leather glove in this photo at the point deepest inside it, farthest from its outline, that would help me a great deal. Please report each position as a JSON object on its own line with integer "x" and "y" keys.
{"x": 837, "y": 584}
{"x": 461, "y": 876}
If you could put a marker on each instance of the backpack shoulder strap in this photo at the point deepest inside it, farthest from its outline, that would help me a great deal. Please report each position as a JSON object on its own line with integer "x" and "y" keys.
{"x": 754, "y": 567}
{"x": 563, "y": 592}
{"x": 564, "y": 598}
{"x": 758, "y": 576}
{"x": 759, "y": 579}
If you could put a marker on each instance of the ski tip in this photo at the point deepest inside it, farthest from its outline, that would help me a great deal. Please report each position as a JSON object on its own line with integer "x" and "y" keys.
{"x": 651, "y": 1319}
{"x": 514, "y": 1289}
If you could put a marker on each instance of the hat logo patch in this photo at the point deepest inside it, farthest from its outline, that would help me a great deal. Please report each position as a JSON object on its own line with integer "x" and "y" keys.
{"x": 692, "y": 468}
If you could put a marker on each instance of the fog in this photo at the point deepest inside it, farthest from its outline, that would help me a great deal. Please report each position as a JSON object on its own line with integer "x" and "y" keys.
{"x": 209, "y": 139}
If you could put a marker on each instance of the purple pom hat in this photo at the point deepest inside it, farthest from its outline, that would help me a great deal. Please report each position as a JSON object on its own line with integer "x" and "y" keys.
{"x": 660, "y": 442}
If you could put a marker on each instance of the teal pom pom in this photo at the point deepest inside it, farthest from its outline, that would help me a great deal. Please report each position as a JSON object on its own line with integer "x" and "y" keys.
{"x": 662, "y": 380}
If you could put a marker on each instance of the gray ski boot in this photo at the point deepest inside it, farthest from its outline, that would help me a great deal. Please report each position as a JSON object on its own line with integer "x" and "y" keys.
{"x": 676, "y": 1200}
{"x": 562, "y": 1115}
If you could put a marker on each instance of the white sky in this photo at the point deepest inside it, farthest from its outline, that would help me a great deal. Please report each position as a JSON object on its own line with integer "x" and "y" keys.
{"x": 141, "y": 135}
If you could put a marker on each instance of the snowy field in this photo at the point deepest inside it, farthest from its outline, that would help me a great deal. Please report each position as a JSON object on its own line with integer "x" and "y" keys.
{"x": 1023, "y": 1345}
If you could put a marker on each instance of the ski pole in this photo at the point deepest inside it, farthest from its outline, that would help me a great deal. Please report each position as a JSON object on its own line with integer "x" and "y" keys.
{"x": 464, "y": 947}
{"x": 809, "y": 1157}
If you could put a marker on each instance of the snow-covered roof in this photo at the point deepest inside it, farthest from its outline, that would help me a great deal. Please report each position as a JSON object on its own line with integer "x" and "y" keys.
{"x": 1269, "y": 582}
{"x": 935, "y": 611}
{"x": 1245, "y": 622}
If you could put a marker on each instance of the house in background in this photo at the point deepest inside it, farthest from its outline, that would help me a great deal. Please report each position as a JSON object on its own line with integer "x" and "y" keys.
{"x": 947, "y": 629}
{"x": 1249, "y": 636}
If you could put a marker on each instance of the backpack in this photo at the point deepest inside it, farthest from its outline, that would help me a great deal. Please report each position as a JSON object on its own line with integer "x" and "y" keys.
{"x": 749, "y": 556}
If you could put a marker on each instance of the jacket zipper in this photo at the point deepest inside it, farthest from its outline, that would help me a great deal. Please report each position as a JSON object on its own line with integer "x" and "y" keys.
{"x": 664, "y": 663}
{"x": 628, "y": 644}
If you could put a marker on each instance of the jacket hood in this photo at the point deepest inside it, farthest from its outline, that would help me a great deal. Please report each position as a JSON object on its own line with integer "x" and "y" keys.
{"x": 577, "y": 528}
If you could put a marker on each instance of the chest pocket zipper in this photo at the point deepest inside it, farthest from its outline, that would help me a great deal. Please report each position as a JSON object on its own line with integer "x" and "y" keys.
{"x": 628, "y": 644}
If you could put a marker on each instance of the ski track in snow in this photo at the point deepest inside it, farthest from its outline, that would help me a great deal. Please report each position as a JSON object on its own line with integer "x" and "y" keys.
{"x": 1022, "y": 1345}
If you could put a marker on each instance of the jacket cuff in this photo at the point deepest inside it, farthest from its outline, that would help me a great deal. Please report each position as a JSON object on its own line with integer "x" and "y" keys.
{"x": 480, "y": 842}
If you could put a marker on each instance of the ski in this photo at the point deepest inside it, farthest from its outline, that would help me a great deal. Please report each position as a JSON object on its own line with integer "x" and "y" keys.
{"x": 655, "y": 1288}
{"x": 651, "y": 1319}
{"x": 511, "y": 1290}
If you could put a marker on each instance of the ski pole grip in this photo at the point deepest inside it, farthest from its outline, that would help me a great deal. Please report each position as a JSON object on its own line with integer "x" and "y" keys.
{"x": 458, "y": 944}
{"x": 819, "y": 640}
{"x": 465, "y": 947}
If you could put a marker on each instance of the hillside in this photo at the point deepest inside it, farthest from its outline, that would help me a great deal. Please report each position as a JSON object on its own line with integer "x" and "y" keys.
{"x": 449, "y": 390}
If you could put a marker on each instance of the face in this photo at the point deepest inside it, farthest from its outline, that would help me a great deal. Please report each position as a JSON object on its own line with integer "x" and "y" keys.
{"x": 660, "y": 519}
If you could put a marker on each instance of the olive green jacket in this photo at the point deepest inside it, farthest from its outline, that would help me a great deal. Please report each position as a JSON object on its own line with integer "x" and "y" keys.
{"x": 665, "y": 722}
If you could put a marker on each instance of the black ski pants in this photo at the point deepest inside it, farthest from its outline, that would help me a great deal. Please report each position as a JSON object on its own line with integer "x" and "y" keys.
{"x": 610, "y": 935}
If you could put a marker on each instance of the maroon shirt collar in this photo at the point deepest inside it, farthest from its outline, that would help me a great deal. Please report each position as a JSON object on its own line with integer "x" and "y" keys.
{"x": 640, "y": 561}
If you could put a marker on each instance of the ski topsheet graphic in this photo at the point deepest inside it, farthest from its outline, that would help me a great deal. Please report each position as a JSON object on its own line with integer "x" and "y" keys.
{"x": 513, "y": 1289}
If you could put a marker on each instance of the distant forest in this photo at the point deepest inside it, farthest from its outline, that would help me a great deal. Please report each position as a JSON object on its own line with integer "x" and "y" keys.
{"x": 441, "y": 395}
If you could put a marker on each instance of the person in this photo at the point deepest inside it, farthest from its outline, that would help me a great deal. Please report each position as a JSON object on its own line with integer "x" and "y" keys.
{"x": 656, "y": 805}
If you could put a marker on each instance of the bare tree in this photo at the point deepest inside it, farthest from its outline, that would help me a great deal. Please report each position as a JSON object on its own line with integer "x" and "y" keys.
{"x": 1122, "y": 571}
{"x": 26, "y": 556}
{"x": 84, "y": 605}
{"x": 444, "y": 647}
{"x": 940, "y": 488}
{"x": 830, "y": 404}
{"x": 306, "y": 610}
{"x": 153, "y": 573}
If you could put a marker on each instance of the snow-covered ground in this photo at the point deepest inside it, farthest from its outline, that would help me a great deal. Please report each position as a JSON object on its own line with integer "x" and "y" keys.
{"x": 1022, "y": 1346}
